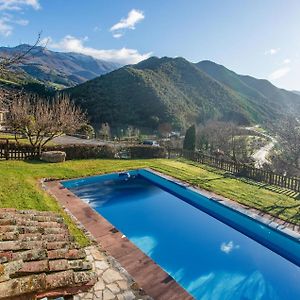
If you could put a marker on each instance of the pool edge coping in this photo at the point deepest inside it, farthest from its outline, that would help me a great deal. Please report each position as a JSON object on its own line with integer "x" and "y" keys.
{"x": 290, "y": 229}
{"x": 275, "y": 223}
{"x": 267, "y": 219}
{"x": 174, "y": 289}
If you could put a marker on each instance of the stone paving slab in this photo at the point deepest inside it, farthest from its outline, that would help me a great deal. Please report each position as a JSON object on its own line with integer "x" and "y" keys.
{"x": 113, "y": 283}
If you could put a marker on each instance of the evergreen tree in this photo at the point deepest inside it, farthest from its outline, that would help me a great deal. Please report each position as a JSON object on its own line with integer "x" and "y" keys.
{"x": 189, "y": 142}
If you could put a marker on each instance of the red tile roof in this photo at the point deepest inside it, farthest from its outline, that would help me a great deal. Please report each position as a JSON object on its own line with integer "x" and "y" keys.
{"x": 38, "y": 257}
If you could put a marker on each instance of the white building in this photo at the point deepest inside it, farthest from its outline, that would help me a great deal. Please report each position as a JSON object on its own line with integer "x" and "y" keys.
{"x": 3, "y": 114}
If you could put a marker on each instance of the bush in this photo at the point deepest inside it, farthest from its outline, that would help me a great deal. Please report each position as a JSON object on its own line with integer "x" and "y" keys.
{"x": 87, "y": 131}
{"x": 142, "y": 151}
{"x": 84, "y": 151}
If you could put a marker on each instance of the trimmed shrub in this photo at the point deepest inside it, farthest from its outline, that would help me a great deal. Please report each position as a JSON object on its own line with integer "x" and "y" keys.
{"x": 143, "y": 151}
{"x": 84, "y": 151}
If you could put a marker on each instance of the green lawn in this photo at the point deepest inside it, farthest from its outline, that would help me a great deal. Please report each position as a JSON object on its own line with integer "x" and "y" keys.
{"x": 19, "y": 185}
{"x": 11, "y": 138}
{"x": 22, "y": 141}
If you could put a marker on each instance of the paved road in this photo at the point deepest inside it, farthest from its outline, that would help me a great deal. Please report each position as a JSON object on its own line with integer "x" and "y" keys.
{"x": 261, "y": 155}
{"x": 67, "y": 140}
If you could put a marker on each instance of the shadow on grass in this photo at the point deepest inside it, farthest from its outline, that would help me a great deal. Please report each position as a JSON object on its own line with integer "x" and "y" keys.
{"x": 276, "y": 189}
{"x": 34, "y": 161}
{"x": 198, "y": 180}
{"x": 277, "y": 210}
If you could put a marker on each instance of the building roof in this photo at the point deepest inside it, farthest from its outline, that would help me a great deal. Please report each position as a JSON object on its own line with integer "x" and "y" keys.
{"x": 38, "y": 257}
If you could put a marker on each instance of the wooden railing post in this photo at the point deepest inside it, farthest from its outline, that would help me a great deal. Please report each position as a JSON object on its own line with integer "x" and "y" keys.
{"x": 268, "y": 177}
{"x": 6, "y": 150}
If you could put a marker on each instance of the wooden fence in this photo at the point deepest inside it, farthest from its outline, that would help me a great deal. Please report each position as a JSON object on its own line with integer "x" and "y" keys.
{"x": 239, "y": 169}
{"x": 10, "y": 150}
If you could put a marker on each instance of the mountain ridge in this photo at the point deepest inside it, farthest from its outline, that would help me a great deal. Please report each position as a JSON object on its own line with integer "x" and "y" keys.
{"x": 256, "y": 89}
{"x": 156, "y": 90}
{"x": 62, "y": 69}
{"x": 180, "y": 93}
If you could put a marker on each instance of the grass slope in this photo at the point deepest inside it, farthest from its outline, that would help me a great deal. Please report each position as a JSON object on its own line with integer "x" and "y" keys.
{"x": 20, "y": 188}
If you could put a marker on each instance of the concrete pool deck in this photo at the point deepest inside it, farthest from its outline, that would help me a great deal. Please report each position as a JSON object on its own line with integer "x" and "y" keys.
{"x": 148, "y": 275}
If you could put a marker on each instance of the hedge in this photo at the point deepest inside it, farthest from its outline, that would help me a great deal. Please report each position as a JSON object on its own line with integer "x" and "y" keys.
{"x": 142, "y": 151}
{"x": 76, "y": 151}
{"x": 105, "y": 151}
{"x": 84, "y": 151}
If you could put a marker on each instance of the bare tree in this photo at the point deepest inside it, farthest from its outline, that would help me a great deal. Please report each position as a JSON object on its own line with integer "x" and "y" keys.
{"x": 222, "y": 138}
{"x": 287, "y": 158}
{"x": 40, "y": 121}
{"x": 105, "y": 131}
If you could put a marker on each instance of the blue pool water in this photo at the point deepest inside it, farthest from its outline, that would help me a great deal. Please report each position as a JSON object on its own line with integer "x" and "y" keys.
{"x": 209, "y": 258}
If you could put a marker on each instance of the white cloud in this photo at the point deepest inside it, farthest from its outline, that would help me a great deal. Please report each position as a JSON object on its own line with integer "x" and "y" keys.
{"x": 117, "y": 35}
{"x": 18, "y": 4}
{"x": 21, "y": 22}
{"x": 287, "y": 61}
{"x": 46, "y": 41}
{"x": 279, "y": 73}
{"x": 7, "y": 19}
{"x": 122, "y": 56}
{"x": 228, "y": 247}
{"x": 5, "y": 28}
{"x": 272, "y": 51}
{"x": 133, "y": 17}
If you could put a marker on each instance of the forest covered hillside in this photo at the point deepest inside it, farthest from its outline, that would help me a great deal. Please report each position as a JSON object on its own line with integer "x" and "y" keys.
{"x": 175, "y": 91}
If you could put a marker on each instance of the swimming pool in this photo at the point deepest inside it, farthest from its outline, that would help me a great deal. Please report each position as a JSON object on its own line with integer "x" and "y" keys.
{"x": 205, "y": 246}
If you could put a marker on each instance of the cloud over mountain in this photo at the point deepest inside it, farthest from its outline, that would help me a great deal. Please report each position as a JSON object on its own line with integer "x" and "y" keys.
{"x": 123, "y": 56}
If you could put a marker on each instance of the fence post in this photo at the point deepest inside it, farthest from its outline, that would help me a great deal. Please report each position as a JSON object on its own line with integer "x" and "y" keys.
{"x": 6, "y": 150}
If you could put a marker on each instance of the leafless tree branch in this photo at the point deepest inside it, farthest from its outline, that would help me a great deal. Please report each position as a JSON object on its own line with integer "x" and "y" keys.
{"x": 7, "y": 61}
{"x": 40, "y": 121}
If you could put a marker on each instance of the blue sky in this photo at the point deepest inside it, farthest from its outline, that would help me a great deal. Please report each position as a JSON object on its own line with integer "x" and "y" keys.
{"x": 256, "y": 37}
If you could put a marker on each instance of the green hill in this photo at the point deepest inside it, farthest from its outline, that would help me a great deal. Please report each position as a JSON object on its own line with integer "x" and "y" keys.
{"x": 258, "y": 91}
{"x": 176, "y": 91}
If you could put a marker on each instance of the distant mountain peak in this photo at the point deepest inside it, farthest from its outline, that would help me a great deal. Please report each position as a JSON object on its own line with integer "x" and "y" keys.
{"x": 60, "y": 69}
